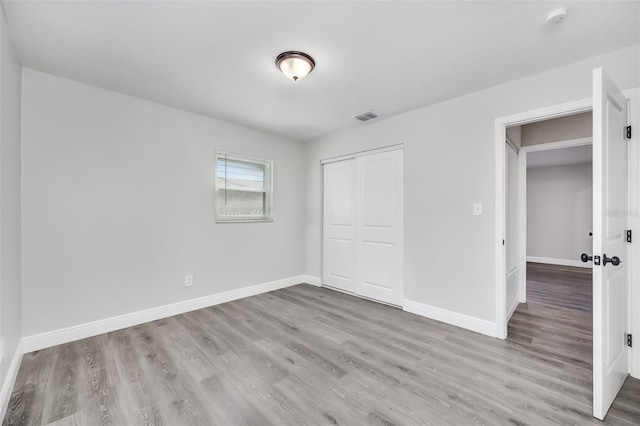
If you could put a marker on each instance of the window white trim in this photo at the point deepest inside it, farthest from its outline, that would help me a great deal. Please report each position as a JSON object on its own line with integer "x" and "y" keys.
{"x": 267, "y": 189}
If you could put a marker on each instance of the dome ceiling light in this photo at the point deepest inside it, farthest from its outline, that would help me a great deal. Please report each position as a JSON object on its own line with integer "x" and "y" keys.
{"x": 295, "y": 65}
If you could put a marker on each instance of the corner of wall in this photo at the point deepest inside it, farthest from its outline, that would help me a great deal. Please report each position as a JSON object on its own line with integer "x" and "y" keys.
{"x": 10, "y": 214}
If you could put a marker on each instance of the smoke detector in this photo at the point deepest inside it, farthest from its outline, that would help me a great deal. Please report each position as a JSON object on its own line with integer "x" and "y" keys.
{"x": 556, "y": 17}
{"x": 366, "y": 116}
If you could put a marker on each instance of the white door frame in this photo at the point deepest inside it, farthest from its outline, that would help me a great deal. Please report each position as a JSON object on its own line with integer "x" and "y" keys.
{"x": 501, "y": 125}
{"x": 548, "y": 113}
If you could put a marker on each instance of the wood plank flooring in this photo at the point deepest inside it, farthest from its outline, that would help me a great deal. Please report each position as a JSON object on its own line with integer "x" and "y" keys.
{"x": 563, "y": 286}
{"x": 310, "y": 356}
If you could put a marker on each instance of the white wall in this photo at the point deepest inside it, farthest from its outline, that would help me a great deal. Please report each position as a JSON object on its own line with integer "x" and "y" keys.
{"x": 10, "y": 304}
{"x": 559, "y": 211}
{"x": 118, "y": 205}
{"x": 449, "y": 165}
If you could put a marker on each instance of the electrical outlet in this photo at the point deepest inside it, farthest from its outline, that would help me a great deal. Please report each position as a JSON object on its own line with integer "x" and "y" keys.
{"x": 188, "y": 280}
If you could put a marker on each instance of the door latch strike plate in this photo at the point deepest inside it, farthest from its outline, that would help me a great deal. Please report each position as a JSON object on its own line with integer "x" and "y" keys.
{"x": 629, "y": 339}
{"x": 628, "y": 132}
{"x": 596, "y": 260}
{"x": 628, "y": 235}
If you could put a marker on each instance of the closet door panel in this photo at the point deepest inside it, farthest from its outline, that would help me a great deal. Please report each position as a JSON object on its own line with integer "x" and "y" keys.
{"x": 379, "y": 227}
{"x": 339, "y": 211}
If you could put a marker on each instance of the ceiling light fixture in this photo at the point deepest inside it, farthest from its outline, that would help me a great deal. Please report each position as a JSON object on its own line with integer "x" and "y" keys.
{"x": 295, "y": 65}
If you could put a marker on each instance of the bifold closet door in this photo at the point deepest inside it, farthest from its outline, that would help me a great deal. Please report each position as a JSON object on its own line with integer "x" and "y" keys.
{"x": 363, "y": 226}
{"x": 339, "y": 215}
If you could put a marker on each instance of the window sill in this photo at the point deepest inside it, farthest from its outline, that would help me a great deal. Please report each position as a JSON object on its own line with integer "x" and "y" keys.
{"x": 244, "y": 220}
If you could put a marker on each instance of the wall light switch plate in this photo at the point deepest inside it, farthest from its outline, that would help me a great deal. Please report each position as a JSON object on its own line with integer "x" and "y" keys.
{"x": 477, "y": 209}
{"x": 188, "y": 280}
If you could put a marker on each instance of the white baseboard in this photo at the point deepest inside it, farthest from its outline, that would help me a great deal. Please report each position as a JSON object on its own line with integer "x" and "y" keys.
{"x": 310, "y": 279}
{"x": 82, "y": 331}
{"x": 10, "y": 379}
{"x": 562, "y": 262}
{"x": 459, "y": 320}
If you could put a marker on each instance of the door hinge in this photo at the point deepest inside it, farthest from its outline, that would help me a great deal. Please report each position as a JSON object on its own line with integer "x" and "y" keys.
{"x": 628, "y": 235}
{"x": 628, "y": 132}
{"x": 629, "y": 339}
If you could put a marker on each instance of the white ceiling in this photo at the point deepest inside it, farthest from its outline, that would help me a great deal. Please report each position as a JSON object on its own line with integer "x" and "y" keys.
{"x": 560, "y": 157}
{"x": 217, "y": 58}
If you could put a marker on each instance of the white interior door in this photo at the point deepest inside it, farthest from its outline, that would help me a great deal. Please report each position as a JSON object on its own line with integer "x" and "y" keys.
{"x": 379, "y": 226}
{"x": 339, "y": 215}
{"x": 610, "y": 209}
{"x": 512, "y": 259}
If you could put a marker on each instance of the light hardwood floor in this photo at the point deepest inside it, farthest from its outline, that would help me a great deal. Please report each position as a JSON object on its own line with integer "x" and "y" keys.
{"x": 305, "y": 355}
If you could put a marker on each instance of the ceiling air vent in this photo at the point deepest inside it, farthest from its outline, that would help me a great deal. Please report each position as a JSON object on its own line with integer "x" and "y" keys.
{"x": 369, "y": 115}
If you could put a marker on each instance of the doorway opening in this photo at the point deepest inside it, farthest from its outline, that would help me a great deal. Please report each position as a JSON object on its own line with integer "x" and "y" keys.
{"x": 510, "y": 183}
{"x": 613, "y": 200}
{"x": 549, "y": 205}
{"x": 558, "y": 231}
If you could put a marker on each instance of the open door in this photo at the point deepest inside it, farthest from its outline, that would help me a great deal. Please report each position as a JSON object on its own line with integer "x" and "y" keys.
{"x": 610, "y": 249}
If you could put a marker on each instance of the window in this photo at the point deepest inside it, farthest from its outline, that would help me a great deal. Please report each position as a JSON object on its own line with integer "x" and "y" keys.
{"x": 243, "y": 188}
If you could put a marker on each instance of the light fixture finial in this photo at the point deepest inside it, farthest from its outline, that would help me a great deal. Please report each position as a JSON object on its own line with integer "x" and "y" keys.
{"x": 295, "y": 65}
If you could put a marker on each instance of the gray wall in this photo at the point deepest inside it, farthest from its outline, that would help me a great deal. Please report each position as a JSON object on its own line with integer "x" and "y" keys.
{"x": 118, "y": 197}
{"x": 558, "y": 129}
{"x": 10, "y": 296}
{"x": 118, "y": 206}
{"x": 515, "y": 134}
{"x": 449, "y": 165}
{"x": 559, "y": 211}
